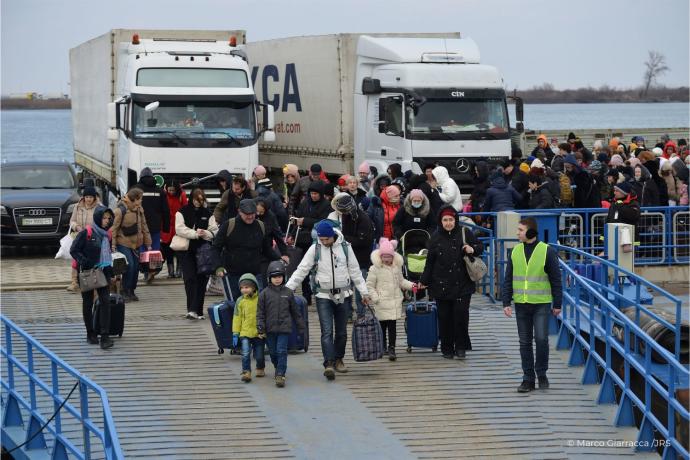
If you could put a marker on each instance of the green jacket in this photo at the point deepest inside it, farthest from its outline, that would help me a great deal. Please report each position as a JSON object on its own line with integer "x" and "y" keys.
{"x": 244, "y": 319}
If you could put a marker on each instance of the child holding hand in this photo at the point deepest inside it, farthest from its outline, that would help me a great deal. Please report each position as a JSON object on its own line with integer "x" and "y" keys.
{"x": 244, "y": 328}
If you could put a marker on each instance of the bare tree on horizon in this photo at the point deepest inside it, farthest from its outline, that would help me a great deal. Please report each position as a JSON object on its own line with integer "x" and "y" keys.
{"x": 656, "y": 66}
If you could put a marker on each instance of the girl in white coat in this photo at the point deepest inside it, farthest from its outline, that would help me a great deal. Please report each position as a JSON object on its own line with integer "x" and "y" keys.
{"x": 385, "y": 283}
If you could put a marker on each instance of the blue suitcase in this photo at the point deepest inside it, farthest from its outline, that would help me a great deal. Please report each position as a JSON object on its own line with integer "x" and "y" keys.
{"x": 298, "y": 342}
{"x": 220, "y": 316}
{"x": 421, "y": 325}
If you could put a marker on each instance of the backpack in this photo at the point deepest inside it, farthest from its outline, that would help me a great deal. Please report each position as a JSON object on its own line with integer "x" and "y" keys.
{"x": 132, "y": 229}
{"x": 232, "y": 223}
{"x": 317, "y": 254}
{"x": 566, "y": 194}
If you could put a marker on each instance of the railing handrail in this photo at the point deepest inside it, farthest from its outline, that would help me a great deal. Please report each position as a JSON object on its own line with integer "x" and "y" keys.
{"x": 109, "y": 433}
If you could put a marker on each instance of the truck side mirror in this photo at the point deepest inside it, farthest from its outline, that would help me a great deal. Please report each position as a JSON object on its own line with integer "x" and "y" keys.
{"x": 269, "y": 122}
{"x": 371, "y": 86}
{"x": 269, "y": 136}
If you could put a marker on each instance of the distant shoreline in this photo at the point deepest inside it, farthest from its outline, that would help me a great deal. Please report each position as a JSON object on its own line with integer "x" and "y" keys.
{"x": 35, "y": 104}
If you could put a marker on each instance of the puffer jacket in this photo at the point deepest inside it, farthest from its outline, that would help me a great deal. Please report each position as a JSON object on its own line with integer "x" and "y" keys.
{"x": 409, "y": 218}
{"x": 332, "y": 262}
{"x": 541, "y": 198}
{"x": 389, "y": 212}
{"x": 134, "y": 215}
{"x": 277, "y": 309}
{"x": 500, "y": 196}
{"x": 83, "y": 215}
{"x": 358, "y": 232}
{"x": 385, "y": 284}
{"x": 244, "y": 317}
{"x": 448, "y": 189}
{"x": 445, "y": 272}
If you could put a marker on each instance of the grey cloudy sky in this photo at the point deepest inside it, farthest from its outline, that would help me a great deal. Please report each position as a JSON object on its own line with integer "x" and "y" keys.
{"x": 567, "y": 43}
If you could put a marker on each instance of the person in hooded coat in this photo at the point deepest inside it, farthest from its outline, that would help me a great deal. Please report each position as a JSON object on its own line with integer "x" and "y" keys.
{"x": 177, "y": 198}
{"x": 420, "y": 181}
{"x": 447, "y": 188}
{"x": 480, "y": 185}
{"x": 156, "y": 210}
{"x": 81, "y": 217}
{"x": 586, "y": 194}
{"x": 445, "y": 274}
{"x": 379, "y": 184}
{"x": 264, "y": 190}
{"x": 415, "y": 214}
{"x": 500, "y": 196}
{"x": 644, "y": 187}
{"x": 91, "y": 249}
{"x": 274, "y": 232}
{"x": 543, "y": 150}
{"x": 652, "y": 164}
{"x": 290, "y": 180}
{"x": 540, "y": 195}
{"x": 667, "y": 173}
{"x": 223, "y": 181}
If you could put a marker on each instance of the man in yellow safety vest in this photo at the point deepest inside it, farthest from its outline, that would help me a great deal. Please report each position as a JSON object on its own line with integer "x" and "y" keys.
{"x": 533, "y": 282}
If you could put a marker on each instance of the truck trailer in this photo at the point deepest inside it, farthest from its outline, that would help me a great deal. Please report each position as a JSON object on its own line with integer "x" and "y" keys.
{"x": 177, "y": 101}
{"x": 413, "y": 99}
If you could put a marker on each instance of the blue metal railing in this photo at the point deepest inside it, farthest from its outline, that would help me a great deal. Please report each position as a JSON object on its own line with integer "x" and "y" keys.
{"x": 664, "y": 232}
{"x": 594, "y": 308}
{"x": 15, "y": 401}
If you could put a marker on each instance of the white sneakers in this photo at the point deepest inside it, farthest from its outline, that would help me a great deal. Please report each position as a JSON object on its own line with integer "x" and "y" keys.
{"x": 193, "y": 315}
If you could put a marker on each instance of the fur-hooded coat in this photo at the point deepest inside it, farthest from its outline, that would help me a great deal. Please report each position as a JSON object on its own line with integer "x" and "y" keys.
{"x": 385, "y": 284}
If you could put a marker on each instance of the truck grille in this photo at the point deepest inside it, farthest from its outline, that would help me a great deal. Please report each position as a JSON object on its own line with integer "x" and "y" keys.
{"x": 35, "y": 220}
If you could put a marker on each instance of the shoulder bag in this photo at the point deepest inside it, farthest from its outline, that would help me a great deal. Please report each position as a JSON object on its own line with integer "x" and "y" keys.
{"x": 476, "y": 268}
{"x": 91, "y": 279}
{"x": 179, "y": 243}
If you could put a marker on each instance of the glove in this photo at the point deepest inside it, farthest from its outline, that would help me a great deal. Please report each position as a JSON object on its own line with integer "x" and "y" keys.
{"x": 261, "y": 335}
{"x": 235, "y": 340}
{"x": 220, "y": 271}
{"x": 415, "y": 288}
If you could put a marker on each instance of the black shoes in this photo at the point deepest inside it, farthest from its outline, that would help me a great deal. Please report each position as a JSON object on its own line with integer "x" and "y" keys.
{"x": 92, "y": 339}
{"x": 543, "y": 383}
{"x": 106, "y": 342}
{"x": 460, "y": 354}
{"x": 526, "y": 387}
{"x": 391, "y": 354}
{"x": 448, "y": 355}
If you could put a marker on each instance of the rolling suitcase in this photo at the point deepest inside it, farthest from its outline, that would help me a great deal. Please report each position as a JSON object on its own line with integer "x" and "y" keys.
{"x": 298, "y": 342}
{"x": 293, "y": 252}
{"x": 421, "y": 325}
{"x": 117, "y": 315}
{"x": 220, "y": 316}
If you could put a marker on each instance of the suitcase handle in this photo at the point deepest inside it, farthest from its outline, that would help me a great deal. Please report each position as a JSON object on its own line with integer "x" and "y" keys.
{"x": 227, "y": 292}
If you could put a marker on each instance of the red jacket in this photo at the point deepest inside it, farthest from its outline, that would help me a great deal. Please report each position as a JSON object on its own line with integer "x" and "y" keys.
{"x": 174, "y": 203}
{"x": 389, "y": 212}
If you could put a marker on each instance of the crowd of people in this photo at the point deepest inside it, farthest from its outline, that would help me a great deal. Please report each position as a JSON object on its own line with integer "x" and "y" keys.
{"x": 345, "y": 234}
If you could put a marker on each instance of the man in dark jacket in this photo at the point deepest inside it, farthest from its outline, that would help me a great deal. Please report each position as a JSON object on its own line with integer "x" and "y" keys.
{"x": 445, "y": 273}
{"x": 242, "y": 241}
{"x": 230, "y": 201}
{"x": 585, "y": 193}
{"x": 264, "y": 190}
{"x": 276, "y": 310}
{"x": 156, "y": 210}
{"x": 537, "y": 290}
{"x": 500, "y": 196}
{"x": 301, "y": 189}
{"x": 625, "y": 208}
{"x": 540, "y": 195}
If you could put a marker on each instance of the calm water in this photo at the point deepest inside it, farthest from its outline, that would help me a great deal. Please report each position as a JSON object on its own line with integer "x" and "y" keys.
{"x": 48, "y": 133}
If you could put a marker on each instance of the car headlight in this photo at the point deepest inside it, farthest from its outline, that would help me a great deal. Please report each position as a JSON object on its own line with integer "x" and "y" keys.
{"x": 70, "y": 208}
{"x": 3, "y": 211}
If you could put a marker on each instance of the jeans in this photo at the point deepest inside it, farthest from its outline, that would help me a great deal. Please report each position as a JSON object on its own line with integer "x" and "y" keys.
{"x": 277, "y": 347}
{"x": 454, "y": 324}
{"x": 248, "y": 345}
{"x": 533, "y": 324}
{"x": 234, "y": 281}
{"x": 129, "y": 279}
{"x": 330, "y": 314}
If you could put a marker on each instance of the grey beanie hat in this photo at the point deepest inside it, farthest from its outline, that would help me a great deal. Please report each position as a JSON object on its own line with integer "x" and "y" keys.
{"x": 248, "y": 206}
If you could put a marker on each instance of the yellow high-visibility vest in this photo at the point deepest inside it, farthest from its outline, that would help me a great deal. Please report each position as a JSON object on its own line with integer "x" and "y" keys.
{"x": 530, "y": 281}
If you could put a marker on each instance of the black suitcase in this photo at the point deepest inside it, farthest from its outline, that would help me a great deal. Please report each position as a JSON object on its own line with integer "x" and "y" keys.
{"x": 117, "y": 315}
{"x": 293, "y": 252}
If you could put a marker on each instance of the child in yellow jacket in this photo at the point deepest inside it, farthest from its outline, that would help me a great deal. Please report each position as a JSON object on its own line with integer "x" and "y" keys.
{"x": 244, "y": 328}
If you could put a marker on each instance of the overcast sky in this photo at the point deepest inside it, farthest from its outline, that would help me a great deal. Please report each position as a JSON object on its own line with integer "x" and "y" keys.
{"x": 567, "y": 43}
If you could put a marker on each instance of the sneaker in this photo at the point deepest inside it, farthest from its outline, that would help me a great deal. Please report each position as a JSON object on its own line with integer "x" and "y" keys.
{"x": 106, "y": 342}
{"x": 526, "y": 387}
{"x": 192, "y": 315}
{"x": 200, "y": 317}
{"x": 460, "y": 354}
{"x": 73, "y": 288}
{"x": 543, "y": 383}
{"x": 448, "y": 355}
{"x": 260, "y": 372}
{"x": 391, "y": 355}
{"x": 92, "y": 339}
{"x": 329, "y": 372}
{"x": 280, "y": 381}
{"x": 246, "y": 376}
{"x": 340, "y": 366}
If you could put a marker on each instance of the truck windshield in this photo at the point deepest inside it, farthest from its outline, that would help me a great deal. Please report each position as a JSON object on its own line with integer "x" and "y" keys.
{"x": 458, "y": 119}
{"x": 191, "y": 123}
{"x": 28, "y": 177}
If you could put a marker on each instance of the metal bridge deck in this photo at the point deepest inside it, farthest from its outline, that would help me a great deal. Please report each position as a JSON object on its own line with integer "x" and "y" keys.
{"x": 173, "y": 397}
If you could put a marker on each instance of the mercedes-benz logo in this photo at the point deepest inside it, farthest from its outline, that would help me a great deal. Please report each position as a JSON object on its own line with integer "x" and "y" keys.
{"x": 462, "y": 165}
{"x": 37, "y": 212}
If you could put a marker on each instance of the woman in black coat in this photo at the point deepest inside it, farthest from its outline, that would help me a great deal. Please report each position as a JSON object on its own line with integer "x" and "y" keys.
{"x": 415, "y": 213}
{"x": 273, "y": 231}
{"x": 449, "y": 284}
{"x": 91, "y": 249}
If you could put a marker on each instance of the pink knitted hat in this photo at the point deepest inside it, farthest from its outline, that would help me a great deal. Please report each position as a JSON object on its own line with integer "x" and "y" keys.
{"x": 416, "y": 193}
{"x": 364, "y": 168}
{"x": 392, "y": 192}
{"x": 387, "y": 247}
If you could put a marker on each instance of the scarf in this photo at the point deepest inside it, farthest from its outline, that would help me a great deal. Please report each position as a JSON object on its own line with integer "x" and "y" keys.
{"x": 106, "y": 259}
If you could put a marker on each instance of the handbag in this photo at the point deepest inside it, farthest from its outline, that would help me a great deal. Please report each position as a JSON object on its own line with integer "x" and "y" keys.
{"x": 91, "y": 279}
{"x": 179, "y": 243}
{"x": 206, "y": 259}
{"x": 367, "y": 337}
{"x": 476, "y": 268}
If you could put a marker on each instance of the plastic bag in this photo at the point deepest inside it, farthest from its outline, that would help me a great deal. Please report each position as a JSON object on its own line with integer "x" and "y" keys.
{"x": 65, "y": 246}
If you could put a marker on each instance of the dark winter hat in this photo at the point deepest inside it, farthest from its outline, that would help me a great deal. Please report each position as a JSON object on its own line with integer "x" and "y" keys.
{"x": 344, "y": 203}
{"x": 248, "y": 206}
{"x": 265, "y": 182}
{"x": 571, "y": 136}
{"x": 276, "y": 268}
{"x": 316, "y": 186}
{"x": 329, "y": 189}
{"x": 324, "y": 229}
{"x": 570, "y": 158}
{"x": 315, "y": 168}
{"x": 146, "y": 172}
{"x": 89, "y": 191}
{"x": 603, "y": 158}
{"x": 624, "y": 187}
{"x": 507, "y": 163}
{"x": 497, "y": 174}
{"x": 595, "y": 166}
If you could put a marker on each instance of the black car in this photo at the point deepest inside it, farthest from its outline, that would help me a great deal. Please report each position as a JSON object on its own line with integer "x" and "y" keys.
{"x": 37, "y": 199}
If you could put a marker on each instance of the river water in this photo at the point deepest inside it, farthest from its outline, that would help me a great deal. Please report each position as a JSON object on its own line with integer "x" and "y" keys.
{"x": 47, "y": 134}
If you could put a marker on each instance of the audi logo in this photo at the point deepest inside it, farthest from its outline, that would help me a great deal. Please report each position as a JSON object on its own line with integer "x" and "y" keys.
{"x": 37, "y": 212}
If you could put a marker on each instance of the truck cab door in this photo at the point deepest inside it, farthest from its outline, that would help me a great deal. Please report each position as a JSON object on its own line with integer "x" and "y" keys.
{"x": 386, "y": 130}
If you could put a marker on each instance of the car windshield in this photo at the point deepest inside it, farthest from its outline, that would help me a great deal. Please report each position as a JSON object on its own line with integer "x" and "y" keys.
{"x": 184, "y": 120}
{"x": 28, "y": 177}
{"x": 453, "y": 116}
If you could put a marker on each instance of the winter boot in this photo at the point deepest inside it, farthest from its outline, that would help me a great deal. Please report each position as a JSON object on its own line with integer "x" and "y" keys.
{"x": 260, "y": 372}
{"x": 246, "y": 376}
{"x": 329, "y": 372}
{"x": 106, "y": 342}
{"x": 280, "y": 381}
{"x": 171, "y": 269}
{"x": 391, "y": 354}
{"x": 74, "y": 283}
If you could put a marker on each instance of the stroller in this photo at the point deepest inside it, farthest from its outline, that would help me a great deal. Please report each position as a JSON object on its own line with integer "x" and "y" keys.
{"x": 414, "y": 248}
